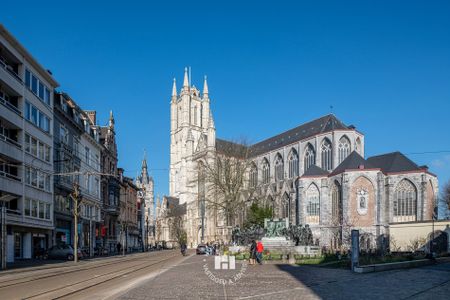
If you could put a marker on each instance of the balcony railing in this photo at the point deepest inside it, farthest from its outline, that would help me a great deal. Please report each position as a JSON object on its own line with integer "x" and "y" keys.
{"x": 10, "y": 176}
{"x": 10, "y": 141}
{"x": 10, "y": 70}
{"x": 13, "y": 212}
{"x": 10, "y": 106}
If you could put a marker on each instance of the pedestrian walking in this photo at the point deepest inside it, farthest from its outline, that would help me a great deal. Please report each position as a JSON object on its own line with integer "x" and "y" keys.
{"x": 253, "y": 253}
{"x": 119, "y": 246}
{"x": 259, "y": 252}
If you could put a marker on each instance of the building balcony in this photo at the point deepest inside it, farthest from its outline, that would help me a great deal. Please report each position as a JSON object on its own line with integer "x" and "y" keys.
{"x": 10, "y": 147}
{"x": 10, "y": 115}
{"x": 10, "y": 182}
{"x": 9, "y": 75}
{"x": 13, "y": 216}
{"x": 10, "y": 102}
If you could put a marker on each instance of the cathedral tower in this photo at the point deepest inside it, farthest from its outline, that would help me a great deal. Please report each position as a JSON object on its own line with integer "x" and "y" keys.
{"x": 191, "y": 130}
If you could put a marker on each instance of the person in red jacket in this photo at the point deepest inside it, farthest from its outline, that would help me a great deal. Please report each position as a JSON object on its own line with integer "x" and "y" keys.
{"x": 259, "y": 252}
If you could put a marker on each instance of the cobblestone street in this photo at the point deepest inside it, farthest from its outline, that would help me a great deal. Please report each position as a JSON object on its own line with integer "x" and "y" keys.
{"x": 188, "y": 280}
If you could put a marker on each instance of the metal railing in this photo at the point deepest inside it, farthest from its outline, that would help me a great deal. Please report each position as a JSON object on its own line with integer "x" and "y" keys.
{"x": 10, "y": 176}
{"x": 10, "y": 106}
{"x": 10, "y": 141}
{"x": 10, "y": 70}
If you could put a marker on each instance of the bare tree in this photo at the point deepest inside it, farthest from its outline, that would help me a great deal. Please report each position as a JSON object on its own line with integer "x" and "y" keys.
{"x": 417, "y": 244}
{"x": 223, "y": 179}
{"x": 177, "y": 230}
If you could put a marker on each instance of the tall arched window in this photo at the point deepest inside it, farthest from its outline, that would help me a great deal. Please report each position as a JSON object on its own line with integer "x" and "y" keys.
{"x": 265, "y": 171}
{"x": 326, "y": 155}
{"x": 310, "y": 156}
{"x": 286, "y": 206}
{"x": 313, "y": 204}
{"x": 195, "y": 115}
{"x": 343, "y": 148}
{"x": 293, "y": 164}
{"x": 336, "y": 204}
{"x": 358, "y": 146}
{"x": 253, "y": 175}
{"x": 279, "y": 168}
{"x": 405, "y": 202}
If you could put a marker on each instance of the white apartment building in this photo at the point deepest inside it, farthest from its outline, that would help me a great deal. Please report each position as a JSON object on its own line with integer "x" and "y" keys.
{"x": 26, "y": 156}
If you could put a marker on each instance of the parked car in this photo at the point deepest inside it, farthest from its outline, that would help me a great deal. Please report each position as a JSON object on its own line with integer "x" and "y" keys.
{"x": 62, "y": 252}
{"x": 201, "y": 249}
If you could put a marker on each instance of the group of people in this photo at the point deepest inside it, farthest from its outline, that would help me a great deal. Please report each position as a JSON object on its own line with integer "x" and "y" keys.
{"x": 256, "y": 252}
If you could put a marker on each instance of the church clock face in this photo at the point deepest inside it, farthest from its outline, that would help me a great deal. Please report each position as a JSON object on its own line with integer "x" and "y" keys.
{"x": 362, "y": 199}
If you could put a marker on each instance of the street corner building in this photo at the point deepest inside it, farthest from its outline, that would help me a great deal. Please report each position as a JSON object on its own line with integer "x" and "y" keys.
{"x": 314, "y": 174}
{"x": 26, "y": 151}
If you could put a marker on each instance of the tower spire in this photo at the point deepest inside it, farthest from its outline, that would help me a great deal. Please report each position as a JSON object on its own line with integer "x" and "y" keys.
{"x": 186, "y": 79}
{"x": 174, "y": 88}
{"x": 111, "y": 119}
{"x": 205, "y": 87}
{"x": 144, "y": 171}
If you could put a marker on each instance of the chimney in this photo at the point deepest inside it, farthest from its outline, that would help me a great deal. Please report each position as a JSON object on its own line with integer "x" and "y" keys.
{"x": 92, "y": 114}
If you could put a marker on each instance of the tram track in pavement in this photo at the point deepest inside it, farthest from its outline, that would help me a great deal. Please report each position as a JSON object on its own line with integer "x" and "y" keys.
{"x": 58, "y": 272}
{"x": 80, "y": 286}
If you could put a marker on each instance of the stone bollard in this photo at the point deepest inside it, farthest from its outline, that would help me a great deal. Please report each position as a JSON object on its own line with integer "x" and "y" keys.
{"x": 291, "y": 258}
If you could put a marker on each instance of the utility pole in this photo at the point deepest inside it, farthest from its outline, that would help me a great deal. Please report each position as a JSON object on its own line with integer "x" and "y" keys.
{"x": 76, "y": 201}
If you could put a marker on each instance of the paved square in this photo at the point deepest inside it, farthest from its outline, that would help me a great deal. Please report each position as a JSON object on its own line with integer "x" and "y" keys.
{"x": 191, "y": 280}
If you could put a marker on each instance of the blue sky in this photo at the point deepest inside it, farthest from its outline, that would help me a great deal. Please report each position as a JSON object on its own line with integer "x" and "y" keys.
{"x": 383, "y": 65}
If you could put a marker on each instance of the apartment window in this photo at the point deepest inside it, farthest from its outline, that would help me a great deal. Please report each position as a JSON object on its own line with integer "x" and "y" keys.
{"x": 41, "y": 90}
{"x": 27, "y": 111}
{"x": 34, "y": 115}
{"x": 34, "y": 208}
{"x": 37, "y": 117}
{"x": 63, "y": 135}
{"x": 37, "y": 148}
{"x": 41, "y": 151}
{"x": 75, "y": 146}
{"x": 41, "y": 178}
{"x": 27, "y": 78}
{"x": 34, "y": 84}
{"x": 97, "y": 186}
{"x": 47, "y": 153}
{"x": 27, "y": 143}
{"x": 37, "y": 87}
{"x": 27, "y": 207}
{"x": 47, "y": 96}
{"x": 34, "y": 177}
{"x": 37, "y": 179}
{"x": 34, "y": 146}
{"x": 41, "y": 210}
{"x": 47, "y": 211}
{"x": 48, "y": 182}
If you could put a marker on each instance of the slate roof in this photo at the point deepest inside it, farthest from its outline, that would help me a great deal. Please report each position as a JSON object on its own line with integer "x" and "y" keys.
{"x": 231, "y": 148}
{"x": 352, "y": 162}
{"x": 315, "y": 171}
{"x": 321, "y": 125}
{"x": 393, "y": 162}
